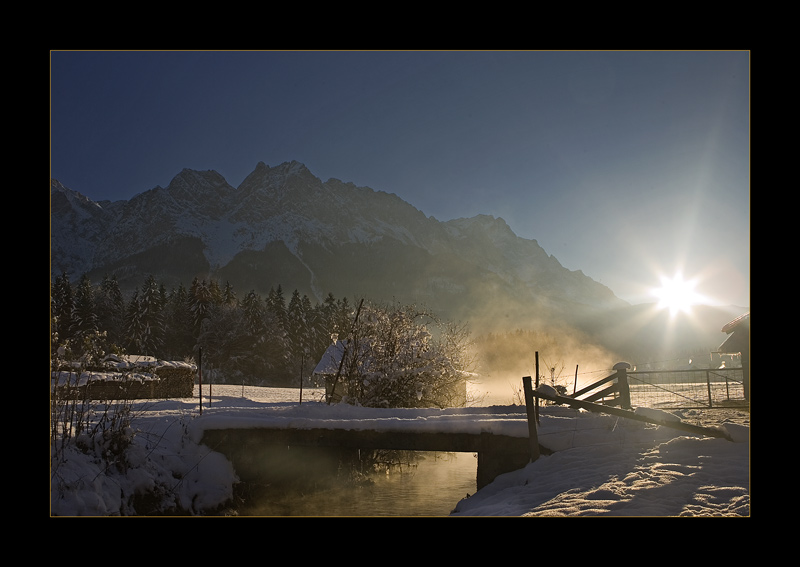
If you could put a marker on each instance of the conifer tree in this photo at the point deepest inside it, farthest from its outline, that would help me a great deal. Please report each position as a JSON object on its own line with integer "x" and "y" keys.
{"x": 110, "y": 307}
{"x": 297, "y": 335}
{"x": 201, "y": 302}
{"x": 277, "y": 306}
{"x": 228, "y": 295}
{"x": 179, "y": 337}
{"x": 144, "y": 320}
{"x": 319, "y": 330}
{"x": 225, "y": 342}
{"x": 342, "y": 317}
{"x": 274, "y": 350}
{"x": 215, "y": 291}
{"x": 253, "y": 311}
{"x": 135, "y": 331}
{"x": 62, "y": 302}
{"x": 151, "y": 304}
{"x": 329, "y": 309}
{"x": 84, "y": 315}
{"x": 295, "y": 318}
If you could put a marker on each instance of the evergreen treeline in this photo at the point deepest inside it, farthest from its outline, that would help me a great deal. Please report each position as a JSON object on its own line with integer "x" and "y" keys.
{"x": 259, "y": 341}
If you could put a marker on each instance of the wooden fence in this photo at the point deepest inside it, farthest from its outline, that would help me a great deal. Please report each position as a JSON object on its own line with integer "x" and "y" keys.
{"x": 624, "y": 387}
{"x": 692, "y": 388}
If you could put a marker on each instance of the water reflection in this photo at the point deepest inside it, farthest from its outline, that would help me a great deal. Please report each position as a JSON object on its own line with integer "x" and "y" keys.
{"x": 408, "y": 484}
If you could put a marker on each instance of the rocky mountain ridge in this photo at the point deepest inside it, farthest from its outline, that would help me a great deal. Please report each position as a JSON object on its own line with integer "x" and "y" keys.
{"x": 282, "y": 225}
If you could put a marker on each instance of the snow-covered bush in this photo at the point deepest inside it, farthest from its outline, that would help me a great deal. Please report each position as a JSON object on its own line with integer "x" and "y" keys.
{"x": 402, "y": 356}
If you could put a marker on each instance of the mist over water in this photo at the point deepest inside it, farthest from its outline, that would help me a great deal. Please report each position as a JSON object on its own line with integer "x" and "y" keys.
{"x": 431, "y": 485}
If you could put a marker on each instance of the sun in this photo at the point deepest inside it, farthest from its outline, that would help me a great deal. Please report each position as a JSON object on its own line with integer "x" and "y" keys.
{"x": 676, "y": 294}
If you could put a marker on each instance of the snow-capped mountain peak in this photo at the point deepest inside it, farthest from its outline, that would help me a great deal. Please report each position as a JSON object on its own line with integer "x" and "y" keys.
{"x": 284, "y": 226}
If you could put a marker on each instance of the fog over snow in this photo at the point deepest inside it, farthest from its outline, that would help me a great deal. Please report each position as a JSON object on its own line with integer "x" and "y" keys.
{"x": 601, "y": 466}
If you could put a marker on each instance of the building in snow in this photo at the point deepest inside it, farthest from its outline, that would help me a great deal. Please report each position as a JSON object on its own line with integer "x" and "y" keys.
{"x": 738, "y": 342}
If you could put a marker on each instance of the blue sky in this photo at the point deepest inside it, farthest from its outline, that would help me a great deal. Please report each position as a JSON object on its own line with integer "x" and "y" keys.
{"x": 625, "y": 165}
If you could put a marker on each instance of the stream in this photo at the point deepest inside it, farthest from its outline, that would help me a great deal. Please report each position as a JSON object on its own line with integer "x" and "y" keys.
{"x": 431, "y": 485}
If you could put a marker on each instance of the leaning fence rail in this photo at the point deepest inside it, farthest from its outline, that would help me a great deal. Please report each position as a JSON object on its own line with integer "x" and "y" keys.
{"x": 688, "y": 388}
{"x": 628, "y": 389}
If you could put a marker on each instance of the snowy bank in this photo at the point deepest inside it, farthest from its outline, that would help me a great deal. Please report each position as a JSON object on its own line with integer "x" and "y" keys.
{"x": 602, "y": 465}
{"x": 685, "y": 476}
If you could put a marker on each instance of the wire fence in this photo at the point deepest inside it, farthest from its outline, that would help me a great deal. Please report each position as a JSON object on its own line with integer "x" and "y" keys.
{"x": 703, "y": 388}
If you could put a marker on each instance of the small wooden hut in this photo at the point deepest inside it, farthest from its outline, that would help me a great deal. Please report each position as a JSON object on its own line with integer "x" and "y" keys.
{"x": 738, "y": 342}
{"x": 328, "y": 369}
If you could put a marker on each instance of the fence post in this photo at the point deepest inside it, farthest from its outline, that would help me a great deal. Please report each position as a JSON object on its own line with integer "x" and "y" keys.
{"x": 200, "y": 377}
{"x": 533, "y": 435}
{"x": 575, "y": 385}
{"x": 536, "y": 385}
{"x": 622, "y": 384}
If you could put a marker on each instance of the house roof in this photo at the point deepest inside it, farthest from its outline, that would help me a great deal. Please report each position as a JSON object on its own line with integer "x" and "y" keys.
{"x": 329, "y": 363}
{"x": 741, "y": 319}
{"x": 736, "y": 342}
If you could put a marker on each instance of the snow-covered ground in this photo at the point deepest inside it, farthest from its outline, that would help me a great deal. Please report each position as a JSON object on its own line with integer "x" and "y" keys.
{"x": 602, "y": 465}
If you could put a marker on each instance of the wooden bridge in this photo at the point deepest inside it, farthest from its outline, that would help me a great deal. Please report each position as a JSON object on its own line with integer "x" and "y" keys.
{"x": 248, "y": 448}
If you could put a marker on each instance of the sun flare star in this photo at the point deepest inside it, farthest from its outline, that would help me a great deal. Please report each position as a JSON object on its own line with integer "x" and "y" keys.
{"x": 676, "y": 294}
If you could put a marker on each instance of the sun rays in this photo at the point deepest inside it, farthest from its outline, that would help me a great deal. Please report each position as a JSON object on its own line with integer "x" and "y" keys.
{"x": 677, "y": 295}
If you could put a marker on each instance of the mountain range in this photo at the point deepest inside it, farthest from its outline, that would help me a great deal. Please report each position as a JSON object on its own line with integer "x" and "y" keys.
{"x": 284, "y": 226}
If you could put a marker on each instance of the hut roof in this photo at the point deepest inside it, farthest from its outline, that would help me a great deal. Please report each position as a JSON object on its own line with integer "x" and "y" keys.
{"x": 329, "y": 363}
{"x": 732, "y": 326}
{"x": 736, "y": 341}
